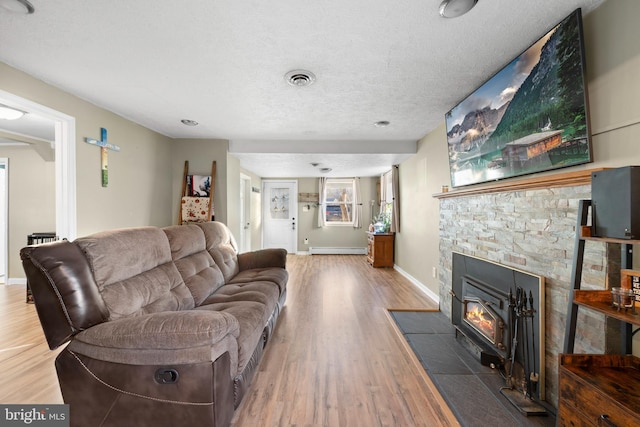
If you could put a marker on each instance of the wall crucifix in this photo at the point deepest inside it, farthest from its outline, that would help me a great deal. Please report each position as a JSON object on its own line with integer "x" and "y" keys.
{"x": 104, "y": 157}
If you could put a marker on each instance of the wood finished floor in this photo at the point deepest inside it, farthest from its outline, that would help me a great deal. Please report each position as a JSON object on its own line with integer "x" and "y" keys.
{"x": 335, "y": 359}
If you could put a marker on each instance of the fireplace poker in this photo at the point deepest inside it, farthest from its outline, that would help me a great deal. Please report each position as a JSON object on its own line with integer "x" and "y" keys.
{"x": 527, "y": 366}
{"x": 511, "y": 327}
{"x": 533, "y": 376}
{"x": 514, "y": 340}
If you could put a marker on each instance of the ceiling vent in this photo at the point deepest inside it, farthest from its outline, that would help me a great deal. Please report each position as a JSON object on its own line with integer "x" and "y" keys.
{"x": 300, "y": 78}
{"x": 17, "y": 6}
{"x": 455, "y": 8}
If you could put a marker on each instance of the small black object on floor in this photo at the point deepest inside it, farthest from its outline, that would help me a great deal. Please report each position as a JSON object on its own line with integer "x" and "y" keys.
{"x": 471, "y": 390}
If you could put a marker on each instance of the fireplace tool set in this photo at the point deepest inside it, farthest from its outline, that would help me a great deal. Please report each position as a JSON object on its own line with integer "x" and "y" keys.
{"x": 521, "y": 321}
{"x": 518, "y": 364}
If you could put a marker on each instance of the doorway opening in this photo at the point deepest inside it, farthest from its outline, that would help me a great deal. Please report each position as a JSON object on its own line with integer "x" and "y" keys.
{"x": 65, "y": 168}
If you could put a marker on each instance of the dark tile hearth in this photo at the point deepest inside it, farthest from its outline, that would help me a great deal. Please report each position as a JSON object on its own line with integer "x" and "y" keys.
{"x": 471, "y": 389}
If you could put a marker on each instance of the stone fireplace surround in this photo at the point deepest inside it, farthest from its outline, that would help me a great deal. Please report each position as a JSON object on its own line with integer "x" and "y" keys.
{"x": 529, "y": 225}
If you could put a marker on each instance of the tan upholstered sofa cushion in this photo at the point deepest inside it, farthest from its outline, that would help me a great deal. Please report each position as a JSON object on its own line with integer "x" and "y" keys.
{"x": 134, "y": 272}
{"x": 195, "y": 264}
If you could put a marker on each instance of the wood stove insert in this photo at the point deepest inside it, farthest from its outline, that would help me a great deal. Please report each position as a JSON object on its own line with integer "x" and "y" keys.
{"x": 498, "y": 313}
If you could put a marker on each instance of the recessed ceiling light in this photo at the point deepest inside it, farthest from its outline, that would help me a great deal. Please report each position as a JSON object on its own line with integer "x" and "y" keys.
{"x": 188, "y": 122}
{"x": 315, "y": 165}
{"x": 17, "y": 6}
{"x": 455, "y": 8}
{"x": 9, "y": 113}
{"x": 300, "y": 78}
{"x": 325, "y": 170}
{"x": 382, "y": 123}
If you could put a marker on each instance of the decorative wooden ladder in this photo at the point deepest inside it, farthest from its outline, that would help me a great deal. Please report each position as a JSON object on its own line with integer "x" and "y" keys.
{"x": 185, "y": 193}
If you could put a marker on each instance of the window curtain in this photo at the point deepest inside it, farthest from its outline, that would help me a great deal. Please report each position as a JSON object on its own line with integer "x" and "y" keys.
{"x": 383, "y": 196}
{"x": 395, "y": 206}
{"x": 357, "y": 202}
{"x": 322, "y": 182}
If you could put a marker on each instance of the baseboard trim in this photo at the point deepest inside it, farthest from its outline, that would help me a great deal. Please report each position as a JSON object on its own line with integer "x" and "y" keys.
{"x": 428, "y": 292}
{"x": 17, "y": 282}
{"x": 337, "y": 251}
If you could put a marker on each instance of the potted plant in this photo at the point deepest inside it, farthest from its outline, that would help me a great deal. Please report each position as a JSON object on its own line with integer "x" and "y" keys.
{"x": 382, "y": 223}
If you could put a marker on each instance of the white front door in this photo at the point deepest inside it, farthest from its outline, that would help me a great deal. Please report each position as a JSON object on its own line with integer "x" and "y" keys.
{"x": 279, "y": 215}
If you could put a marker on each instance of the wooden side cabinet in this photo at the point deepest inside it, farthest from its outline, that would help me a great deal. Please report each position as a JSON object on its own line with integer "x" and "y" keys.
{"x": 380, "y": 249}
{"x": 598, "y": 390}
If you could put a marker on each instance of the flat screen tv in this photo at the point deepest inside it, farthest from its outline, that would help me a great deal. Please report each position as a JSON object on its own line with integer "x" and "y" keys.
{"x": 531, "y": 116}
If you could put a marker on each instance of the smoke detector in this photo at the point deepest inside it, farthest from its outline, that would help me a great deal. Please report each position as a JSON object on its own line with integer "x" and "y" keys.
{"x": 300, "y": 78}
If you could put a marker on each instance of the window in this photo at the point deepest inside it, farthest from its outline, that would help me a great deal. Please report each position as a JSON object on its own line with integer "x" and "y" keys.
{"x": 386, "y": 198}
{"x": 338, "y": 201}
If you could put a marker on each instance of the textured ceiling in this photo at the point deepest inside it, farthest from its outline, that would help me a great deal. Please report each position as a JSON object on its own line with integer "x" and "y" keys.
{"x": 222, "y": 63}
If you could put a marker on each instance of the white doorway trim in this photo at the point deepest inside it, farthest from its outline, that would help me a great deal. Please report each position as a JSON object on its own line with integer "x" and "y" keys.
{"x": 65, "y": 157}
{"x": 245, "y": 213}
{"x": 4, "y": 207}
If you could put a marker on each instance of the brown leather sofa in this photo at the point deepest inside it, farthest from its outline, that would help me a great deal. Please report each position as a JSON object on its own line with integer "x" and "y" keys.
{"x": 165, "y": 326}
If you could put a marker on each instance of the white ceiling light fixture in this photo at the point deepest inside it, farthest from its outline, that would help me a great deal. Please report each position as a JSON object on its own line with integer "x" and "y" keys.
{"x": 9, "y": 113}
{"x": 17, "y": 6}
{"x": 382, "y": 124}
{"x": 188, "y": 122}
{"x": 455, "y": 8}
{"x": 300, "y": 78}
{"x": 325, "y": 170}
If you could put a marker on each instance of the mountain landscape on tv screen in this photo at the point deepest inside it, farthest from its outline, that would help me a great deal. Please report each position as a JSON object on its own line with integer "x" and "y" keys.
{"x": 496, "y": 142}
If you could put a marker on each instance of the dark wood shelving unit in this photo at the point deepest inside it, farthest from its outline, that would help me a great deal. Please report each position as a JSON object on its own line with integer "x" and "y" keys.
{"x": 598, "y": 389}
{"x": 601, "y": 301}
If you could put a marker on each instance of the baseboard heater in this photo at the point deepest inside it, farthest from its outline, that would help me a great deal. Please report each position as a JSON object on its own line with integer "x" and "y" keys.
{"x": 337, "y": 251}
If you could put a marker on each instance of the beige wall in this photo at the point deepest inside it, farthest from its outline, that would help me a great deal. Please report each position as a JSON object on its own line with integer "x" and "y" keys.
{"x": 31, "y": 200}
{"x": 340, "y": 237}
{"x": 233, "y": 195}
{"x": 417, "y": 249}
{"x": 613, "y": 61}
{"x": 200, "y": 153}
{"x": 138, "y": 175}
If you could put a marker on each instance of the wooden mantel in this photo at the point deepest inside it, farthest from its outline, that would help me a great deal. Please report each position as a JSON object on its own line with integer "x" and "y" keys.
{"x": 565, "y": 179}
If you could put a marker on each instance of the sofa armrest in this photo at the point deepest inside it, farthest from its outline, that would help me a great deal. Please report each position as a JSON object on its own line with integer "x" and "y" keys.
{"x": 264, "y": 258}
{"x": 169, "y": 330}
{"x": 65, "y": 293}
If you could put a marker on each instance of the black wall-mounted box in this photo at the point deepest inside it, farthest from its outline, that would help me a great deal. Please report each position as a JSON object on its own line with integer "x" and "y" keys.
{"x": 615, "y": 202}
